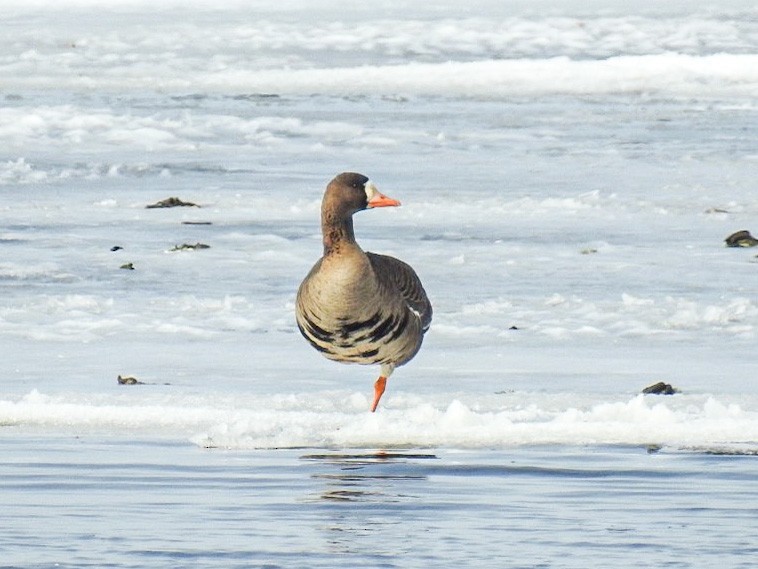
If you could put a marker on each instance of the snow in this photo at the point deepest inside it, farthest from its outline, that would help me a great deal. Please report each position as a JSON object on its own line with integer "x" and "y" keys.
{"x": 568, "y": 177}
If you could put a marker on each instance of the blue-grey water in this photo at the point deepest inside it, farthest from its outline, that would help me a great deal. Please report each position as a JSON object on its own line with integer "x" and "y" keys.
{"x": 143, "y": 503}
{"x": 94, "y": 502}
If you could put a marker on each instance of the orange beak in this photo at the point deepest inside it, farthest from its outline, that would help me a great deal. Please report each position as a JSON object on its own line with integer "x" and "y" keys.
{"x": 380, "y": 200}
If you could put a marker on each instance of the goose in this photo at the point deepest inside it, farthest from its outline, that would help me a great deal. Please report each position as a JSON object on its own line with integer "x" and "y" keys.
{"x": 355, "y": 306}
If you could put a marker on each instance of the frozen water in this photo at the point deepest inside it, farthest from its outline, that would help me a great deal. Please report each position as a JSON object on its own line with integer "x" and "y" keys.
{"x": 568, "y": 175}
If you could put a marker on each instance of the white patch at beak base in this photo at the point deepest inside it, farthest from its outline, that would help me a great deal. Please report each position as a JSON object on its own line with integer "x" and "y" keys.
{"x": 371, "y": 190}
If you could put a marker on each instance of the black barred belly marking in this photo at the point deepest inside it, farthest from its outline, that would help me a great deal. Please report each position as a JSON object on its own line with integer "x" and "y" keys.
{"x": 352, "y": 327}
{"x": 311, "y": 332}
{"x": 359, "y": 341}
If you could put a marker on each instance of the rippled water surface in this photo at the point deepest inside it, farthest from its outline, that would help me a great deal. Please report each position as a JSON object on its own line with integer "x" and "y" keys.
{"x": 137, "y": 503}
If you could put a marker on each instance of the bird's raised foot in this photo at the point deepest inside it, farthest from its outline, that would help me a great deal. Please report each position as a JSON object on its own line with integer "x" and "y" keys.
{"x": 379, "y": 387}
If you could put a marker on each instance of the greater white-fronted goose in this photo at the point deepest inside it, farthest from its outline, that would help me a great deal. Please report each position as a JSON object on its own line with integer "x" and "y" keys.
{"x": 359, "y": 307}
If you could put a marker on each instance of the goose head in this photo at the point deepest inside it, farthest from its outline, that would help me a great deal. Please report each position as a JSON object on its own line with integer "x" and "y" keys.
{"x": 347, "y": 194}
{"x": 351, "y": 192}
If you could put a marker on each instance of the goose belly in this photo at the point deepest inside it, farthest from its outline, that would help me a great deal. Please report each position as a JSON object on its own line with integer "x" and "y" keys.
{"x": 374, "y": 339}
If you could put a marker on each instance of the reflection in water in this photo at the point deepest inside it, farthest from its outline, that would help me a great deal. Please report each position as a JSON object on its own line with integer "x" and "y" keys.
{"x": 380, "y": 455}
{"x": 375, "y": 476}
{"x": 365, "y": 499}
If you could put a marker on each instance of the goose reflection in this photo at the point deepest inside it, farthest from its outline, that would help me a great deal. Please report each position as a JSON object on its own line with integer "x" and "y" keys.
{"x": 378, "y": 476}
{"x": 366, "y": 499}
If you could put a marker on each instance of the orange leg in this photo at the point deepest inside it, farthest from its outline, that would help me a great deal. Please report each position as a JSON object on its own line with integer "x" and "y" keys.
{"x": 379, "y": 386}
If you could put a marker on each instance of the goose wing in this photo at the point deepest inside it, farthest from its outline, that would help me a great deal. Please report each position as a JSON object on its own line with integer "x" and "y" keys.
{"x": 400, "y": 276}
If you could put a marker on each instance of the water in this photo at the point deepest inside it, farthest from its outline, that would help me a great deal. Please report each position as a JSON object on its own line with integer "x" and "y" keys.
{"x": 106, "y": 502}
{"x": 568, "y": 176}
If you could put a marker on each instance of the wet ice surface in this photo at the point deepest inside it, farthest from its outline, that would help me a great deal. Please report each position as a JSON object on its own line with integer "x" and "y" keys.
{"x": 567, "y": 177}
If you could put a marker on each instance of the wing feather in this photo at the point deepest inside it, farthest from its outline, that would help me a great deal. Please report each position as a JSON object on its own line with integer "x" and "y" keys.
{"x": 395, "y": 273}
